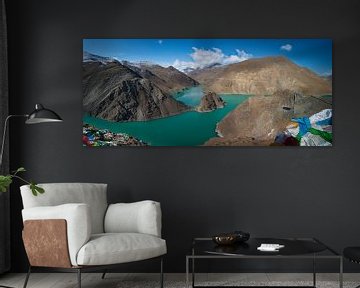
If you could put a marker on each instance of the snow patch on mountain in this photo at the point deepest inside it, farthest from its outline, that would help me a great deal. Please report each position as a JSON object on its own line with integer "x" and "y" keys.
{"x": 89, "y": 57}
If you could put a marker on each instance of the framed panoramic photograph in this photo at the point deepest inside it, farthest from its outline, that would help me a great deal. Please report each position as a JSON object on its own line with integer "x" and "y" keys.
{"x": 207, "y": 92}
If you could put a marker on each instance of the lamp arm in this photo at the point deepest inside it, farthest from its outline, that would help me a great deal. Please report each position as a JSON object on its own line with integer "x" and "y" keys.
{"x": 4, "y": 134}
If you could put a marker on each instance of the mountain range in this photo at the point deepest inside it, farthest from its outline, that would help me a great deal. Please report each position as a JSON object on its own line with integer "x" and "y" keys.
{"x": 262, "y": 76}
{"x": 89, "y": 57}
{"x": 168, "y": 79}
{"x": 123, "y": 91}
{"x": 114, "y": 92}
{"x": 118, "y": 91}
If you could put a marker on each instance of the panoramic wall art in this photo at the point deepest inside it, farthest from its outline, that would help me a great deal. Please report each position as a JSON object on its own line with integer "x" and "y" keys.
{"x": 207, "y": 92}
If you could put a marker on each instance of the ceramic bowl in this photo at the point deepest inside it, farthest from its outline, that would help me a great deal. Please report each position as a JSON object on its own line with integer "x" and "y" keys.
{"x": 225, "y": 239}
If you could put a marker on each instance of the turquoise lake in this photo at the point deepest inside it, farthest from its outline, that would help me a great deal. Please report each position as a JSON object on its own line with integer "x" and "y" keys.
{"x": 187, "y": 129}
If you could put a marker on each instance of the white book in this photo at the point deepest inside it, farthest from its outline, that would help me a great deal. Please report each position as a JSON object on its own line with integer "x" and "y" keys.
{"x": 270, "y": 247}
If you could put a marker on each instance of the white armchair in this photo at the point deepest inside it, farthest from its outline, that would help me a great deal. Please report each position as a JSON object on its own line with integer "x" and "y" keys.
{"x": 72, "y": 228}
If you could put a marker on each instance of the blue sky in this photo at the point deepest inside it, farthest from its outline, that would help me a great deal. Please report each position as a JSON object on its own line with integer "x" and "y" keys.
{"x": 315, "y": 54}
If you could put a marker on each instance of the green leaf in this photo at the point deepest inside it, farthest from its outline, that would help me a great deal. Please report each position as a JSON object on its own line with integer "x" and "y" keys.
{"x": 36, "y": 189}
{"x": 20, "y": 169}
{"x": 39, "y": 189}
{"x": 33, "y": 189}
{"x": 5, "y": 182}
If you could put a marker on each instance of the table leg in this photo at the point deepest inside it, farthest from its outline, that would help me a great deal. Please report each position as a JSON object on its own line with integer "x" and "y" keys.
{"x": 193, "y": 267}
{"x": 341, "y": 273}
{"x": 187, "y": 272}
{"x": 193, "y": 272}
{"x": 314, "y": 271}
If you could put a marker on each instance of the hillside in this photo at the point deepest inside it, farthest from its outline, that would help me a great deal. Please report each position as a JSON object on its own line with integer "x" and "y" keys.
{"x": 209, "y": 102}
{"x": 115, "y": 92}
{"x": 262, "y": 76}
{"x": 257, "y": 121}
{"x": 168, "y": 79}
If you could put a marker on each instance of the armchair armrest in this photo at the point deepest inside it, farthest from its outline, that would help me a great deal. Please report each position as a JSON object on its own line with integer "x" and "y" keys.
{"x": 138, "y": 217}
{"x": 77, "y": 217}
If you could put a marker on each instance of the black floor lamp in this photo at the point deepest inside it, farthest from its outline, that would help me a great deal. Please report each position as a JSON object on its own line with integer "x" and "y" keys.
{"x": 39, "y": 115}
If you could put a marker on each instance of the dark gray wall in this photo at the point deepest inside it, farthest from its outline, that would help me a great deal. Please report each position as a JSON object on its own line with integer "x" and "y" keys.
{"x": 267, "y": 191}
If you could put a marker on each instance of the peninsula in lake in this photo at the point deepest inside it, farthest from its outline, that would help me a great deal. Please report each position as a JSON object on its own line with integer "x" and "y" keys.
{"x": 235, "y": 100}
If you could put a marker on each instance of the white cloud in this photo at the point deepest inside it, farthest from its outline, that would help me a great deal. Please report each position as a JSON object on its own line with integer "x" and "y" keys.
{"x": 287, "y": 47}
{"x": 160, "y": 41}
{"x": 202, "y": 58}
{"x": 183, "y": 65}
{"x": 240, "y": 56}
{"x": 327, "y": 73}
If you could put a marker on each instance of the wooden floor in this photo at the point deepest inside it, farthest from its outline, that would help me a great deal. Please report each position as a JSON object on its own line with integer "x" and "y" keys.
{"x": 114, "y": 280}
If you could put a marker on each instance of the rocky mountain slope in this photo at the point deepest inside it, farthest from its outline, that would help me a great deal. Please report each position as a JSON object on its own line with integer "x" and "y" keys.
{"x": 262, "y": 76}
{"x": 209, "y": 102}
{"x": 261, "y": 118}
{"x": 89, "y": 57}
{"x": 115, "y": 92}
{"x": 169, "y": 79}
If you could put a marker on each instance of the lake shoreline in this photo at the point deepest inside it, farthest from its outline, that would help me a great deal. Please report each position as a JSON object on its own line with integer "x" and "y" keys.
{"x": 190, "y": 128}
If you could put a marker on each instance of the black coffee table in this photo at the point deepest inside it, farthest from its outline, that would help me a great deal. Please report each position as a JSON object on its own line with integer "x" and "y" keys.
{"x": 295, "y": 248}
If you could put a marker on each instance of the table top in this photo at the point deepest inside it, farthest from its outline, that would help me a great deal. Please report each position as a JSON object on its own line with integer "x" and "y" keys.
{"x": 293, "y": 247}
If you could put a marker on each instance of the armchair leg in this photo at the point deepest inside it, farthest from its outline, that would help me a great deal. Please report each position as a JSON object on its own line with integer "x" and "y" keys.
{"x": 27, "y": 277}
{"x": 79, "y": 277}
{"x": 161, "y": 272}
{"x": 103, "y": 275}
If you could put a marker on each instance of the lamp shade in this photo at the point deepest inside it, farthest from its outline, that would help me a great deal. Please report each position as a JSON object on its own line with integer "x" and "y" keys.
{"x": 42, "y": 115}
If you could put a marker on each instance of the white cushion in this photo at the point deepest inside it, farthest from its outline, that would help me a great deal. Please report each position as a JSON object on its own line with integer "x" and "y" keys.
{"x": 62, "y": 193}
{"x": 113, "y": 248}
{"x": 138, "y": 217}
{"x": 77, "y": 218}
